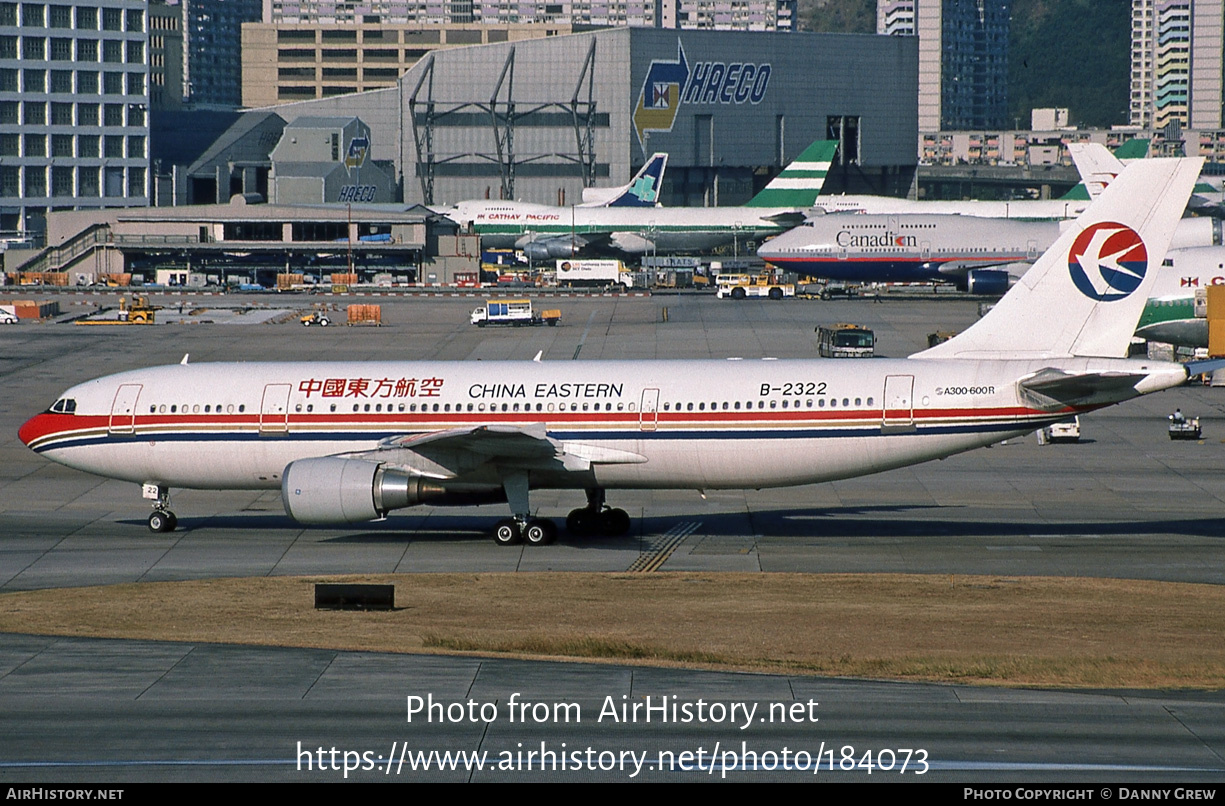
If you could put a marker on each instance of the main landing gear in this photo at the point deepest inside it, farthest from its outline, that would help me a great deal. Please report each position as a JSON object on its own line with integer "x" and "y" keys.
{"x": 521, "y": 527}
{"x": 593, "y": 519}
{"x": 162, "y": 519}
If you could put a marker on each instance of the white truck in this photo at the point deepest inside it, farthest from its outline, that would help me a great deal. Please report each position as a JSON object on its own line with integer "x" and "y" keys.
{"x": 571, "y": 272}
{"x": 516, "y": 312}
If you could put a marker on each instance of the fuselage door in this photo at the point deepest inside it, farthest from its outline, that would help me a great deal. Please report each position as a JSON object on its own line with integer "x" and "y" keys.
{"x": 123, "y": 409}
{"x": 648, "y": 413}
{"x": 274, "y": 410}
{"x": 899, "y": 404}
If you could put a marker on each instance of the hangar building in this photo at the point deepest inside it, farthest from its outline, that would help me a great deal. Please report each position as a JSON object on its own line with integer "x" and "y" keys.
{"x": 539, "y": 120}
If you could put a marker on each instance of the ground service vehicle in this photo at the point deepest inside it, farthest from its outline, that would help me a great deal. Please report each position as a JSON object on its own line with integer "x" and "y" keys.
{"x": 1066, "y": 431}
{"x": 844, "y": 340}
{"x": 743, "y": 286}
{"x": 137, "y": 312}
{"x": 515, "y": 312}
{"x": 1184, "y": 427}
{"x": 597, "y": 273}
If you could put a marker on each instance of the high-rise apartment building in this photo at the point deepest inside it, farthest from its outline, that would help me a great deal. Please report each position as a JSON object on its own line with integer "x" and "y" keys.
{"x": 196, "y": 51}
{"x": 1176, "y": 63}
{"x": 310, "y": 49}
{"x": 963, "y": 58}
{"x": 74, "y": 100}
{"x": 720, "y": 15}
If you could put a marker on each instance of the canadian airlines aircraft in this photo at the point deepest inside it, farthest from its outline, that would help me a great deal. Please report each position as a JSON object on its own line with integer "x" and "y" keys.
{"x": 543, "y": 231}
{"x": 348, "y": 442}
{"x": 980, "y": 255}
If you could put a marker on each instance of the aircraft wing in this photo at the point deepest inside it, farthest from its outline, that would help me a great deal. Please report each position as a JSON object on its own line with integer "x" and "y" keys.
{"x": 459, "y": 451}
{"x": 1053, "y": 389}
{"x": 959, "y": 268}
{"x": 790, "y": 218}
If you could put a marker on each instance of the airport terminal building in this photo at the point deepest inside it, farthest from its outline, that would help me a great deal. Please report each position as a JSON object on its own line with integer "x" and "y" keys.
{"x": 539, "y": 120}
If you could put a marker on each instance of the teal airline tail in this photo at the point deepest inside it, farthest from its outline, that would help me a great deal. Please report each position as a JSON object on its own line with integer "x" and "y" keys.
{"x": 801, "y": 181}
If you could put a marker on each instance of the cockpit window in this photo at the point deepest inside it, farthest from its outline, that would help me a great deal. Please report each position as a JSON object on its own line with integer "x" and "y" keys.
{"x": 65, "y": 405}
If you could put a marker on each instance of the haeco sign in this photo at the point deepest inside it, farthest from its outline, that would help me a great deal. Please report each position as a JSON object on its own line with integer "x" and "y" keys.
{"x": 669, "y": 84}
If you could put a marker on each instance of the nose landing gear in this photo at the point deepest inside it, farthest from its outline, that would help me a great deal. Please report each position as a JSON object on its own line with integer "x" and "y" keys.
{"x": 162, "y": 519}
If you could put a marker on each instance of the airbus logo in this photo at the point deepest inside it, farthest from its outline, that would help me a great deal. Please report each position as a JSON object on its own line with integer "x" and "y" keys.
{"x": 1107, "y": 261}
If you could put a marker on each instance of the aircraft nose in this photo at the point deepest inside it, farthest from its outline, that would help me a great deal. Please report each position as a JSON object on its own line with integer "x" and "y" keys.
{"x": 37, "y": 426}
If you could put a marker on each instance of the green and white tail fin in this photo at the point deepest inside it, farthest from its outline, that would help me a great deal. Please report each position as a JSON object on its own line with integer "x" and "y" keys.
{"x": 1084, "y": 296}
{"x": 800, "y": 182}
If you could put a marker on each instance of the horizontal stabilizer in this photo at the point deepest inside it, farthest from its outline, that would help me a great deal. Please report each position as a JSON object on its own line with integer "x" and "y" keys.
{"x": 1054, "y": 389}
{"x": 1200, "y": 367}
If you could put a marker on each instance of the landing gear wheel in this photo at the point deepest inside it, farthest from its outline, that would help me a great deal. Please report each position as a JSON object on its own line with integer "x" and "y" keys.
{"x": 506, "y": 532}
{"x": 539, "y": 532}
{"x": 614, "y": 522}
{"x": 161, "y": 521}
{"x": 580, "y": 522}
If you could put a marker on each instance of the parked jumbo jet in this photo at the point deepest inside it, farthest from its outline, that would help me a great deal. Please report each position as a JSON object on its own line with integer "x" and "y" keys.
{"x": 349, "y": 442}
{"x": 641, "y": 191}
{"x": 543, "y": 231}
{"x": 980, "y": 255}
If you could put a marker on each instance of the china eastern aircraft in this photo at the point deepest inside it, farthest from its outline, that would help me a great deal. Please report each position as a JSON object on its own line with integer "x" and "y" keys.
{"x": 543, "y": 231}
{"x": 349, "y": 442}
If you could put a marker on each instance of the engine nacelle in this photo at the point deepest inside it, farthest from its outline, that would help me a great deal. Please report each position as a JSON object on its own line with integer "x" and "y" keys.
{"x": 979, "y": 281}
{"x": 334, "y": 490}
{"x": 551, "y": 248}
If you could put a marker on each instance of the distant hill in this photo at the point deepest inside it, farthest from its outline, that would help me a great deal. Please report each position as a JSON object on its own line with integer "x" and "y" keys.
{"x": 1065, "y": 53}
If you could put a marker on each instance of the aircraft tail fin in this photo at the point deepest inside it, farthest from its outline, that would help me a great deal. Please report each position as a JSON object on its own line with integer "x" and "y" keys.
{"x": 800, "y": 182}
{"x": 642, "y": 190}
{"x": 1084, "y": 296}
{"x": 1096, "y": 165}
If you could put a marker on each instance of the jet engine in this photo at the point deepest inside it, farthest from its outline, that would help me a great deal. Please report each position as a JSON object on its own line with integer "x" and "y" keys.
{"x": 979, "y": 281}
{"x": 549, "y": 248}
{"x": 332, "y": 490}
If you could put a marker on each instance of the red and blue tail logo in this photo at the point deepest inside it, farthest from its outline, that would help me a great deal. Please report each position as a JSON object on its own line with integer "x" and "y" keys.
{"x": 1108, "y": 261}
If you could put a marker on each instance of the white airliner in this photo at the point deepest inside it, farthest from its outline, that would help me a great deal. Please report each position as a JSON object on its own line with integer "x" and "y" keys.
{"x": 543, "y": 231}
{"x": 980, "y": 255}
{"x": 349, "y": 442}
{"x": 641, "y": 191}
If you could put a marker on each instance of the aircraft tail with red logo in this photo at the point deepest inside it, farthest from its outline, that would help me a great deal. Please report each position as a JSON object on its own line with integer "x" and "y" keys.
{"x": 1085, "y": 295}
